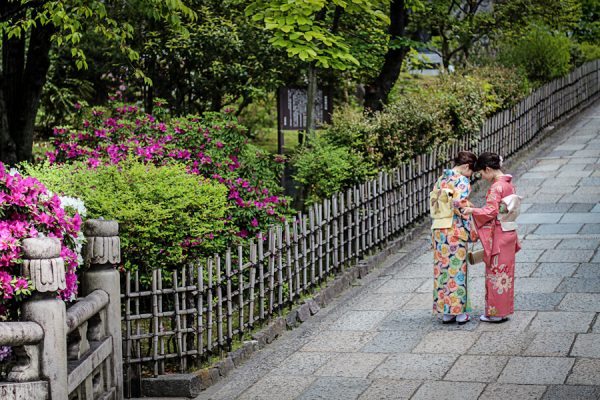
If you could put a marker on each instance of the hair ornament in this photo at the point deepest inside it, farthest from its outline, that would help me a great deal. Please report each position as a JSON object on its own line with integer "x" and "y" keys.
{"x": 501, "y": 161}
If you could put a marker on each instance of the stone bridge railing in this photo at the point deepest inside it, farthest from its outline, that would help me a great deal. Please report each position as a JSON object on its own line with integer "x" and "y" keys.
{"x": 72, "y": 353}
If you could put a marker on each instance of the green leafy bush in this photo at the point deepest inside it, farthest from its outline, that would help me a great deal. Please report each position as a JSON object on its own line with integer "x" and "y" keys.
{"x": 584, "y": 52}
{"x": 542, "y": 54}
{"x": 325, "y": 169}
{"x": 167, "y": 216}
{"x": 503, "y": 86}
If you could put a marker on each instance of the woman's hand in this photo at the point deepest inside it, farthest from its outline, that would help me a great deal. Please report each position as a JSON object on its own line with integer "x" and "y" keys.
{"x": 467, "y": 211}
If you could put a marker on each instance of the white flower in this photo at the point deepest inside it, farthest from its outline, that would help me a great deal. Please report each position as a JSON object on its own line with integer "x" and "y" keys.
{"x": 76, "y": 203}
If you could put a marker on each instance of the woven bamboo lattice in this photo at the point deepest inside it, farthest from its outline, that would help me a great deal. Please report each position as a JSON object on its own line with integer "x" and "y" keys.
{"x": 208, "y": 305}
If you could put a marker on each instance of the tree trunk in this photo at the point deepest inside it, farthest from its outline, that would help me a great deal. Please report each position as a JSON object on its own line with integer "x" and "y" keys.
{"x": 21, "y": 83}
{"x": 377, "y": 91}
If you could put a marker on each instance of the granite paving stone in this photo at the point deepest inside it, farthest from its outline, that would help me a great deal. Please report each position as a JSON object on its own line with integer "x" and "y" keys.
{"x": 328, "y": 341}
{"x": 590, "y": 229}
{"x": 574, "y": 174}
{"x": 583, "y": 160}
{"x": 415, "y": 366}
{"x": 587, "y": 345}
{"x": 561, "y": 321}
{"x": 537, "y": 285}
{"x": 470, "y": 368}
{"x": 568, "y": 392}
{"x": 499, "y": 391}
{"x": 556, "y": 188}
{"x": 278, "y": 387}
{"x": 380, "y": 301}
{"x": 522, "y": 269}
{"x": 588, "y": 244}
{"x": 396, "y": 285}
{"x": 390, "y": 389}
{"x": 562, "y": 255}
{"x": 407, "y": 320}
{"x": 573, "y": 167}
{"x": 393, "y": 342}
{"x": 580, "y": 218}
{"x": 553, "y": 229}
{"x": 537, "y": 301}
{"x": 502, "y": 343}
{"x": 546, "y": 208}
{"x": 539, "y": 218}
{"x": 536, "y": 370}
{"x": 578, "y": 285}
{"x": 359, "y": 320}
{"x": 446, "y": 342}
{"x": 517, "y": 322}
{"x": 538, "y": 174}
{"x": 581, "y": 207}
{"x": 449, "y": 390}
{"x": 335, "y": 388}
{"x": 543, "y": 244}
{"x": 587, "y": 270}
{"x": 414, "y": 270}
{"x": 589, "y": 198}
{"x": 350, "y": 365}
{"x": 591, "y": 181}
{"x": 550, "y": 344}
{"x": 586, "y": 371}
{"x": 555, "y": 269}
{"x": 302, "y": 363}
{"x": 420, "y": 301}
{"x": 426, "y": 287}
{"x": 580, "y": 302}
{"x": 527, "y": 255}
{"x": 571, "y": 182}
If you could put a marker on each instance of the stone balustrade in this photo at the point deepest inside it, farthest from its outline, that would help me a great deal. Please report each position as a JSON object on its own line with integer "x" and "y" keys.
{"x": 72, "y": 353}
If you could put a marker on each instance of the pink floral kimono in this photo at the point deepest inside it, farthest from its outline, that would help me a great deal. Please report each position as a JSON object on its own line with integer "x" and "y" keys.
{"x": 499, "y": 248}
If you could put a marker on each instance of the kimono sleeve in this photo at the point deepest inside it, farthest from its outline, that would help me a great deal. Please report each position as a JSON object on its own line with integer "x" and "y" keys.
{"x": 488, "y": 212}
{"x": 462, "y": 190}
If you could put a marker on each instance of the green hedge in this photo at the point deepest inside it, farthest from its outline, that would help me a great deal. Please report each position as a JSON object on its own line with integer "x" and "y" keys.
{"x": 167, "y": 217}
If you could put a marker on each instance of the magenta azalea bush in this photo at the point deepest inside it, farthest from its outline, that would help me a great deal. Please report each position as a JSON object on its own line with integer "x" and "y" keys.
{"x": 29, "y": 210}
{"x": 213, "y": 146}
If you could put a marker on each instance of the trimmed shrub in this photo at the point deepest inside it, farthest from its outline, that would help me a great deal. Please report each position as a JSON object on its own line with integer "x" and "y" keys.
{"x": 167, "y": 216}
{"x": 325, "y": 169}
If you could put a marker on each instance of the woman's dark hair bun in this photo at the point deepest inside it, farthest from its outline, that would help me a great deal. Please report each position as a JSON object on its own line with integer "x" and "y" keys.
{"x": 485, "y": 160}
{"x": 465, "y": 157}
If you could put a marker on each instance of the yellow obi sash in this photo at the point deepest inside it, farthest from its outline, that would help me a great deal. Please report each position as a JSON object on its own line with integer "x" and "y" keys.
{"x": 440, "y": 208}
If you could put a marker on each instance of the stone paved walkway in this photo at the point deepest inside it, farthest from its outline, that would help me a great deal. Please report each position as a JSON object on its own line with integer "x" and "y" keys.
{"x": 379, "y": 340}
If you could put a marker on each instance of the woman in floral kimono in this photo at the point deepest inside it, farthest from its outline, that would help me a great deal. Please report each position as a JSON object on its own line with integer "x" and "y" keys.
{"x": 450, "y": 234}
{"x": 499, "y": 245}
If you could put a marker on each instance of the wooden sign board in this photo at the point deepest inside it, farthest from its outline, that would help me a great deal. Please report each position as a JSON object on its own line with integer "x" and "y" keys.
{"x": 291, "y": 111}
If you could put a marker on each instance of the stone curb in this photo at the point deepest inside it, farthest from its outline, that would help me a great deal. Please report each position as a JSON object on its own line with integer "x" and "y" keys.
{"x": 192, "y": 384}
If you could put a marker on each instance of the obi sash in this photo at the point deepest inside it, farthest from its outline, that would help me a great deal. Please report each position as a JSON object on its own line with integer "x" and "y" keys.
{"x": 440, "y": 208}
{"x": 510, "y": 208}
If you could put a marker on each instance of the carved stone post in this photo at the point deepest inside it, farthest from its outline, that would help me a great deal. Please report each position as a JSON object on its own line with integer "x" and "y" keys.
{"x": 44, "y": 266}
{"x": 102, "y": 254}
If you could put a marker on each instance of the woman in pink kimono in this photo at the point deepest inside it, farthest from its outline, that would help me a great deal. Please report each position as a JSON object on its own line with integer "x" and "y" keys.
{"x": 499, "y": 245}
